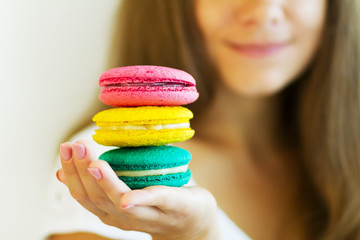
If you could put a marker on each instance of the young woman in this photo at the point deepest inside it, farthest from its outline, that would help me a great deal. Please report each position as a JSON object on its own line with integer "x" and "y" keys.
{"x": 277, "y": 122}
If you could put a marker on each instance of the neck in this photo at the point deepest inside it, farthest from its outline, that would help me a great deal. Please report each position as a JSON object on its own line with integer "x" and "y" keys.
{"x": 233, "y": 120}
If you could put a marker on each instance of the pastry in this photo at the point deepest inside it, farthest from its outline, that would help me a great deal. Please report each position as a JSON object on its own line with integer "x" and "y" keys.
{"x": 147, "y": 166}
{"x": 147, "y": 86}
{"x": 143, "y": 126}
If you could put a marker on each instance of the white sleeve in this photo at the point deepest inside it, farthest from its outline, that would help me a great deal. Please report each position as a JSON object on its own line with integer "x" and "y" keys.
{"x": 229, "y": 230}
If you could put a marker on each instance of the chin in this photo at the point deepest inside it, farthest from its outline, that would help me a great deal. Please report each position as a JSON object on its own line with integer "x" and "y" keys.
{"x": 260, "y": 93}
{"x": 259, "y": 89}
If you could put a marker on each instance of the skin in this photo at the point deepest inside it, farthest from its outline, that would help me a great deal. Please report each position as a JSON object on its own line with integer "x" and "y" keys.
{"x": 164, "y": 212}
{"x": 262, "y": 178}
{"x": 295, "y": 25}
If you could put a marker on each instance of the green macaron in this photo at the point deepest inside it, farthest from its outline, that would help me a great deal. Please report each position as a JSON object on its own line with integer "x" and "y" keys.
{"x": 148, "y": 166}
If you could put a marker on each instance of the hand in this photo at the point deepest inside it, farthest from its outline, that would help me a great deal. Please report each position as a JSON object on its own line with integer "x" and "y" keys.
{"x": 164, "y": 212}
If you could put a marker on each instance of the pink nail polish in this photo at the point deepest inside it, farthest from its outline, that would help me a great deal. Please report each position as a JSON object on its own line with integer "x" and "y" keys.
{"x": 59, "y": 176}
{"x": 79, "y": 150}
{"x": 65, "y": 152}
{"x": 96, "y": 173}
{"x": 128, "y": 206}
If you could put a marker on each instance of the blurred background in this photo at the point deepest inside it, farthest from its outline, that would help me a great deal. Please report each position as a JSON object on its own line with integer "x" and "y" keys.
{"x": 51, "y": 55}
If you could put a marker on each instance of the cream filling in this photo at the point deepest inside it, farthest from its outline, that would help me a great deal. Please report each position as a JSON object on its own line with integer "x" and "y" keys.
{"x": 155, "y": 172}
{"x": 146, "y": 127}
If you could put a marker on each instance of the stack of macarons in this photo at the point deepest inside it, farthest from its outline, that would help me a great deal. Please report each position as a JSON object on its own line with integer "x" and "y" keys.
{"x": 147, "y": 117}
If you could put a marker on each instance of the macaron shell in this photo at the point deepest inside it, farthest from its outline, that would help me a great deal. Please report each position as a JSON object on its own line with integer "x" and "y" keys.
{"x": 144, "y": 72}
{"x": 136, "y": 138}
{"x": 141, "y": 114}
{"x": 160, "y": 96}
{"x": 146, "y": 158}
{"x": 150, "y": 158}
{"x": 147, "y": 93}
{"x": 171, "y": 180}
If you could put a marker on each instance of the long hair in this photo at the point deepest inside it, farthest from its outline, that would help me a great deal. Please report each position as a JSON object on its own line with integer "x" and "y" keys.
{"x": 164, "y": 33}
{"x": 322, "y": 107}
{"x": 329, "y": 117}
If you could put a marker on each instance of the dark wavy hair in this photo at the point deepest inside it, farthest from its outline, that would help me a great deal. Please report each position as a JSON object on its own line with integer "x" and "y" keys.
{"x": 321, "y": 111}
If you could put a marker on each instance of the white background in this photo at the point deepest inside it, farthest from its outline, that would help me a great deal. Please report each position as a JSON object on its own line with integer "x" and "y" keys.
{"x": 51, "y": 55}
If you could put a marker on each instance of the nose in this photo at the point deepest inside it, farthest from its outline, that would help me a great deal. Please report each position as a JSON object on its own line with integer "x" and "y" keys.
{"x": 260, "y": 12}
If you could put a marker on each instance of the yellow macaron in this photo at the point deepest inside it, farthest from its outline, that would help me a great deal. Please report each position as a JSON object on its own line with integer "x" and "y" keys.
{"x": 143, "y": 126}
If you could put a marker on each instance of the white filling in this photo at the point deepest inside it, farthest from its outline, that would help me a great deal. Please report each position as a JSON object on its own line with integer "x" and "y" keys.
{"x": 156, "y": 172}
{"x": 146, "y": 127}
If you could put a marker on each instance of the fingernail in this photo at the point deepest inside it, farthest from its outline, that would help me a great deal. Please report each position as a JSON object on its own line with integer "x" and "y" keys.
{"x": 128, "y": 206}
{"x": 59, "y": 176}
{"x": 65, "y": 151}
{"x": 79, "y": 150}
{"x": 96, "y": 173}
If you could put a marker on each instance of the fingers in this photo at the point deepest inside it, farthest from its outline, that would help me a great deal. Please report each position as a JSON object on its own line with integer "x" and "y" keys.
{"x": 83, "y": 156}
{"x": 94, "y": 184}
{"x": 60, "y": 176}
{"x": 115, "y": 190}
{"x": 177, "y": 208}
{"x": 108, "y": 181}
{"x": 165, "y": 198}
{"x": 169, "y": 199}
{"x": 88, "y": 184}
{"x": 73, "y": 179}
{"x": 157, "y": 209}
{"x": 70, "y": 172}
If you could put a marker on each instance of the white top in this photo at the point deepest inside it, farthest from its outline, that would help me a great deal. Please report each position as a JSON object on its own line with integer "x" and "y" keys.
{"x": 64, "y": 215}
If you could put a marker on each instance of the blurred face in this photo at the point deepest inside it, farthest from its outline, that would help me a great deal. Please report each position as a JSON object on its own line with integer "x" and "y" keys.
{"x": 260, "y": 46}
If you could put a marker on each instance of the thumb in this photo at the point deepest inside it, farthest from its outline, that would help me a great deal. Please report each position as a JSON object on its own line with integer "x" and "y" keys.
{"x": 168, "y": 198}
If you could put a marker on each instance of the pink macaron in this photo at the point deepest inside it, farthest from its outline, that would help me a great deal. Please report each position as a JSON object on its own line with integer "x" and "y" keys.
{"x": 147, "y": 85}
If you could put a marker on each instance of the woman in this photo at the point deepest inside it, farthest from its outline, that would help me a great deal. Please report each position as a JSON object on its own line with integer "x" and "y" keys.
{"x": 277, "y": 123}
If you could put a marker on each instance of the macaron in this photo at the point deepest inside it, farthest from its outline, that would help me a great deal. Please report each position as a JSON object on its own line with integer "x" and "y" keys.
{"x": 147, "y": 86}
{"x": 143, "y": 126}
{"x": 148, "y": 166}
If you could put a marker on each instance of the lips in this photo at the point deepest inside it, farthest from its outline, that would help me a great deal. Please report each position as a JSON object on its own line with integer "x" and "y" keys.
{"x": 257, "y": 49}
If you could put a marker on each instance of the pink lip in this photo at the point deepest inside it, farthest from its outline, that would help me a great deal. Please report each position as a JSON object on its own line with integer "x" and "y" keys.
{"x": 257, "y": 50}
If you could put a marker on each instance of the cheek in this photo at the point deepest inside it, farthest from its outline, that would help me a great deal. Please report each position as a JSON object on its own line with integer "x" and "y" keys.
{"x": 212, "y": 17}
{"x": 308, "y": 14}
{"x": 308, "y": 19}
{"x": 253, "y": 77}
